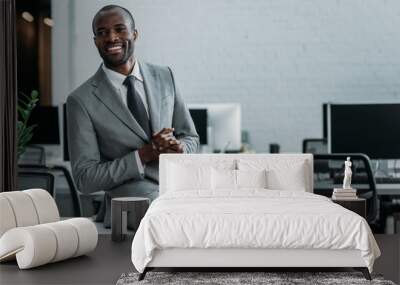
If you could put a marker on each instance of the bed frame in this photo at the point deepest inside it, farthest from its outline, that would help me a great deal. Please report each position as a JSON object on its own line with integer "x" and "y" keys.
{"x": 244, "y": 259}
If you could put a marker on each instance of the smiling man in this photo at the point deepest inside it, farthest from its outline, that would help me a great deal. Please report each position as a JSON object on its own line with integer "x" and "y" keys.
{"x": 124, "y": 116}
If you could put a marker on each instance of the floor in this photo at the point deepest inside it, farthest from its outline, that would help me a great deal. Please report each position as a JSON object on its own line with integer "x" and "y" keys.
{"x": 102, "y": 266}
{"x": 111, "y": 259}
{"x": 389, "y": 262}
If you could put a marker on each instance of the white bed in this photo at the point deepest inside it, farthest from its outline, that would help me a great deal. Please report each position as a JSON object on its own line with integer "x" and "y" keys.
{"x": 224, "y": 217}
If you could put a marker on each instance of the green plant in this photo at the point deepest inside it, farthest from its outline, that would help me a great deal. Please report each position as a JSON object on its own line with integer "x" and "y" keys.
{"x": 24, "y": 132}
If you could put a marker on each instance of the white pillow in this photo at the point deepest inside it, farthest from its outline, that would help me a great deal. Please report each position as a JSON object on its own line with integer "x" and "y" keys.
{"x": 292, "y": 179}
{"x": 226, "y": 179}
{"x": 182, "y": 177}
{"x": 223, "y": 179}
{"x": 251, "y": 178}
{"x": 282, "y": 173}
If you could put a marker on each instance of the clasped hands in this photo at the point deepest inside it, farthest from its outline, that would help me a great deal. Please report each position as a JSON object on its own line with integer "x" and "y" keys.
{"x": 163, "y": 141}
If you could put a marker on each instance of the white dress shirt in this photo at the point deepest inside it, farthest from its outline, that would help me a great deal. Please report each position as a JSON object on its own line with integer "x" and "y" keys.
{"x": 117, "y": 80}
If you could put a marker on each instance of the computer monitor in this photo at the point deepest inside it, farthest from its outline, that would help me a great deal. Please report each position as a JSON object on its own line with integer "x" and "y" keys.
{"x": 324, "y": 120}
{"x": 47, "y": 129}
{"x": 224, "y": 125}
{"x": 364, "y": 128}
{"x": 199, "y": 117}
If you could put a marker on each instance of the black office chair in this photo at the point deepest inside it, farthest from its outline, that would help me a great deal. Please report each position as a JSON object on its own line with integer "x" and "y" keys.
{"x": 34, "y": 154}
{"x": 34, "y": 168}
{"x": 35, "y": 179}
{"x": 362, "y": 179}
{"x": 315, "y": 146}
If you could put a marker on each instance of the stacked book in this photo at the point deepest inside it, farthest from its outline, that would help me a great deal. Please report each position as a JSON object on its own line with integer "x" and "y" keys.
{"x": 344, "y": 194}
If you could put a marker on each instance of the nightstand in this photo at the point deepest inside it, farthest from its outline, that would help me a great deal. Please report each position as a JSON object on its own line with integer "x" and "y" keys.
{"x": 120, "y": 207}
{"x": 358, "y": 206}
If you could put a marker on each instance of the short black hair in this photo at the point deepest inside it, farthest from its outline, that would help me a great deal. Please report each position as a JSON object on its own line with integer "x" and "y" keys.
{"x": 111, "y": 7}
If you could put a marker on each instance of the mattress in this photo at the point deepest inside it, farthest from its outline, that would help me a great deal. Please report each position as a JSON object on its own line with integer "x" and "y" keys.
{"x": 251, "y": 219}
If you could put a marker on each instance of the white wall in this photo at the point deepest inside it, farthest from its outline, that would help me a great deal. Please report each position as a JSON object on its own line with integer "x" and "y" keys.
{"x": 280, "y": 59}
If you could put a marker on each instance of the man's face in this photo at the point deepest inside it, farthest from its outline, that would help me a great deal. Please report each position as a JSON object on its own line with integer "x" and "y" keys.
{"x": 114, "y": 37}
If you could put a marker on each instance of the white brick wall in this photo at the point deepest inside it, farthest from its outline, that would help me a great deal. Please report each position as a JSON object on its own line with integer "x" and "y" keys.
{"x": 280, "y": 59}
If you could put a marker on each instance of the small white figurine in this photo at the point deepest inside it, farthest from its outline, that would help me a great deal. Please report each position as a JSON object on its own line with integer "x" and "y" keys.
{"x": 347, "y": 174}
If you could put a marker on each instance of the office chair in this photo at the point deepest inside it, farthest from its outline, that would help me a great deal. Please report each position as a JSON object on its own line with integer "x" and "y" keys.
{"x": 34, "y": 160}
{"x": 34, "y": 154}
{"x": 34, "y": 168}
{"x": 362, "y": 179}
{"x": 396, "y": 217}
{"x": 315, "y": 146}
{"x": 35, "y": 179}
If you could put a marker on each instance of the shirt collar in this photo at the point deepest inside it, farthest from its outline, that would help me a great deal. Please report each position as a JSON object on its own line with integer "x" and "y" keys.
{"x": 136, "y": 71}
{"x": 117, "y": 79}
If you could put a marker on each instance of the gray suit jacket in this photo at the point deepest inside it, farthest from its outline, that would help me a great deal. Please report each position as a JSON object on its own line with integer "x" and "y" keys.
{"x": 103, "y": 135}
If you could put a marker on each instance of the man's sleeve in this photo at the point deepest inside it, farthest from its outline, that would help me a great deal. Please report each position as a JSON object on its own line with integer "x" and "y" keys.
{"x": 139, "y": 163}
{"x": 90, "y": 173}
{"x": 185, "y": 130}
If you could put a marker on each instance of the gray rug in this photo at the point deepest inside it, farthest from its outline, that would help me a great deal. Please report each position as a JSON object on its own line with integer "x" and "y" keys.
{"x": 232, "y": 278}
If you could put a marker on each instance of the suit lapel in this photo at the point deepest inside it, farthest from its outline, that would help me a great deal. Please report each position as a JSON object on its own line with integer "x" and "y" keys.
{"x": 107, "y": 94}
{"x": 152, "y": 88}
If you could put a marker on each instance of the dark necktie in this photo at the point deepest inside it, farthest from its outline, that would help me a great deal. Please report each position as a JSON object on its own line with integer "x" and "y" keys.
{"x": 136, "y": 106}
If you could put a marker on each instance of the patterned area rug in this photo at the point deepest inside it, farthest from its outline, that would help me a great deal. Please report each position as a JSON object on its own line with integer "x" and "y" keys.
{"x": 232, "y": 278}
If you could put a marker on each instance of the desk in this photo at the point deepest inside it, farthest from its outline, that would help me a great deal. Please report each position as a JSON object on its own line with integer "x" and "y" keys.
{"x": 388, "y": 189}
{"x": 381, "y": 189}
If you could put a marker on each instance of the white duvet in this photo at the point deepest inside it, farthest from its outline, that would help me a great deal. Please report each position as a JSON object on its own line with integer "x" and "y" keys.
{"x": 250, "y": 219}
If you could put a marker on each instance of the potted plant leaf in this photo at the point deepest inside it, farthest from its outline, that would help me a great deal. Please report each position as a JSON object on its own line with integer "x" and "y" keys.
{"x": 24, "y": 132}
